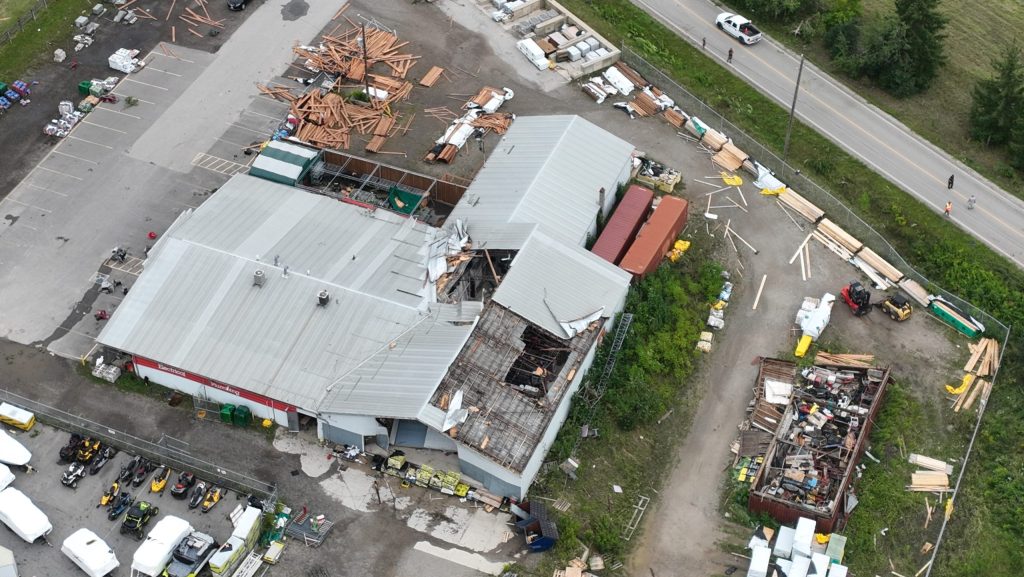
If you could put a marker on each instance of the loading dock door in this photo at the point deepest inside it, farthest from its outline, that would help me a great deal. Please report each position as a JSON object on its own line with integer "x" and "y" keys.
{"x": 411, "y": 434}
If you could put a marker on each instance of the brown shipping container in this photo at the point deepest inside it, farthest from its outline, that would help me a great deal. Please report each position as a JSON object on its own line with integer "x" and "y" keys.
{"x": 622, "y": 227}
{"x": 655, "y": 238}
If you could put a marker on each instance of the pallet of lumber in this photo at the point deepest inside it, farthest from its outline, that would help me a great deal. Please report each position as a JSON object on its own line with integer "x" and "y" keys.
{"x": 930, "y": 463}
{"x": 891, "y": 273}
{"x": 674, "y": 117}
{"x": 915, "y": 291}
{"x": 877, "y": 280}
{"x": 631, "y": 75}
{"x": 836, "y": 233}
{"x": 431, "y": 76}
{"x": 929, "y": 479}
{"x": 714, "y": 139}
{"x": 863, "y": 361}
{"x": 644, "y": 104}
{"x": 801, "y": 205}
{"x": 729, "y": 157}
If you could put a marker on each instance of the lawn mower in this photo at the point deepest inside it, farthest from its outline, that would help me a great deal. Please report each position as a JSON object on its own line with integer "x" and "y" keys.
{"x": 857, "y": 298}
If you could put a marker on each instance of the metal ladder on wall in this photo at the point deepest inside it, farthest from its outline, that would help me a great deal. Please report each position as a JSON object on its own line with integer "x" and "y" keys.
{"x": 593, "y": 394}
{"x": 250, "y": 566}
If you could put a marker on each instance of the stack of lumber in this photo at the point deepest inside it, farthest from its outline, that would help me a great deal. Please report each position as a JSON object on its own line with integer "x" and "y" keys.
{"x": 730, "y": 157}
{"x": 929, "y": 481}
{"x": 987, "y": 352}
{"x": 891, "y": 273}
{"x": 930, "y": 463}
{"x": 631, "y": 75}
{"x": 915, "y": 291}
{"x": 714, "y": 139}
{"x": 832, "y": 245}
{"x": 801, "y": 205}
{"x": 675, "y": 117}
{"x": 975, "y": 387}
{"x": 844, "y": 360}
{"x": 840, "y": 236}
{"x": 431, "y": 76}
{"x": 644, "y": 104}
{"x": 499, "y": 122}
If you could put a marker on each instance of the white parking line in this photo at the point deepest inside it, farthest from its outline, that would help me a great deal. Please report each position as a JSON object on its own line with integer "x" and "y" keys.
{"x": 130, "y": 96}
{"x": 232, "y": 143}
{"x": 275, "y": 118}
{"x": 76, "y": 157}
{"x": 46, "y": 189}
{"x": 217, "y": 164}
{"x": 154, "y": 53}
{"x": 144, "y": 83}
{"x": 116, "y": 112}
{"x": 164, "y": 71}
{"x": 90, "y": 142}
{"x": 263, "y": 132}
{"x": 104, "y": 127}
{"x": 26, "y": 204}
{"x": 58, "y": 172}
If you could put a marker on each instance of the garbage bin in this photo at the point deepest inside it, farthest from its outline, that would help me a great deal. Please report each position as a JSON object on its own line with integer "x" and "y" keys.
{"x": 226, "y": 413}
{"x": 243, "y": 416}
{"x": 84, "y": 87}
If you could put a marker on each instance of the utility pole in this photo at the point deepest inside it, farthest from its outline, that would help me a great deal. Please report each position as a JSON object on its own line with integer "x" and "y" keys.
{"x": 792, "y": 110}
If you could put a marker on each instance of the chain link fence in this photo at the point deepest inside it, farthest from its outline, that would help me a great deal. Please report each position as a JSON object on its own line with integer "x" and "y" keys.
{"x": 168, "y": 450}
{"x": 18, "y": 25}
{"x": 834, "y": 208}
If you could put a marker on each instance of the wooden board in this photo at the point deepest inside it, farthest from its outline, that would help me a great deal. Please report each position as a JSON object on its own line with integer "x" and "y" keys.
{"x": 431, "y": 76}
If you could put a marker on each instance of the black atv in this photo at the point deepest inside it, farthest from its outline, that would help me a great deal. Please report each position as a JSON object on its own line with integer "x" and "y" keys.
{"x": 137, "y": 518}
{"x": 70, "y": 451}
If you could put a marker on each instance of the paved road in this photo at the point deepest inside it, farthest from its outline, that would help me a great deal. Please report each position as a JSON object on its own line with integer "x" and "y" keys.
{"x": 866, "y": 132}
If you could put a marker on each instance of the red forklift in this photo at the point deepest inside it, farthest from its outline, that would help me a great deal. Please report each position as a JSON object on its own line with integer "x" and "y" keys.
{"x": 857, "y": 298}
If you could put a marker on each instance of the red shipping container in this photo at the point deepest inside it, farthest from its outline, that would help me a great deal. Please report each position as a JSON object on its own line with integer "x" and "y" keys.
{"x": 622, "y": 227}
{"x": 656, "y": 237}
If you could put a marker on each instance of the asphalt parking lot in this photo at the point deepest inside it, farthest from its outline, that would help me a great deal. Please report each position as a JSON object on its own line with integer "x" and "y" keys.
{"x": 72, "y": 509}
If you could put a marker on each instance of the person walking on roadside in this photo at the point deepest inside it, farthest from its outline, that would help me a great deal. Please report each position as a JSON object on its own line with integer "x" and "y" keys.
{"x": 728, "y": 60}
{"x": 949, "y": 184}
{"x": 971, "y": 202}
{"x": 949, "y": 207}
{"x": 704, "y": 43}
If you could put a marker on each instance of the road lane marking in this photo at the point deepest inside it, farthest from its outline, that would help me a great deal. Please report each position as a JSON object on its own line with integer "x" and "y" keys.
{"x": 145, "y": 83}
{"x": 27, "y": 204}
{"x": 104, "y": 127}
{"x": 90, "y": 142}
{"x": 40, "y": 167}
{"x": 76, "y": 157}
{"x": 117, "y": 112}
{"x": 231, "y": 143}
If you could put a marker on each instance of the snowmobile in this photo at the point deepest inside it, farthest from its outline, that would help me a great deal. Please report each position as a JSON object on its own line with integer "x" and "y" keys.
{"x": 138, "y": 517}
{"x": 111, "y": 494}
{"x": 75, "y": 472}
{"x": 129, "y": 469}
{"x": 102, "y": 459}
{"x": 185, "y": 482}
{"x": 140, "y": 473}
{"x": 88, "y": 449}
{"x": 212, "y": 498}
{"x": 69, "y": 451}
{"x": 197, "y": 495}
{"x": 159, "y": 482}
{"x": 120, "y": 505}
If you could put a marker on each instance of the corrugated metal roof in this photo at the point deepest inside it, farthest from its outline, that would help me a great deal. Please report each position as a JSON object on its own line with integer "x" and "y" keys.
{"x": 274, "y": 166}
{"x": 195, "y": 306}
{"x": 551, "y": 284}
{"x": 546, "y": 170}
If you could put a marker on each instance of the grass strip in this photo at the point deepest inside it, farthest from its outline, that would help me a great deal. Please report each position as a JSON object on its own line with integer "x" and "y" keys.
{"x": 36, "y": 43}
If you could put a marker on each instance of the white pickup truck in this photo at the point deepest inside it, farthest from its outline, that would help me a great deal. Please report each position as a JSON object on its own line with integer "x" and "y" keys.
{"x": 738, "y": 27}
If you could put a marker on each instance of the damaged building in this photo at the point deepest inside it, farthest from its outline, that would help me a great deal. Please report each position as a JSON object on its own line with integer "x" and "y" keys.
{"x": 382, "y": 329}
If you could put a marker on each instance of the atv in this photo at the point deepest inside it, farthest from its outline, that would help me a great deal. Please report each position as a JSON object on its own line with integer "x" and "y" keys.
{"x": 185, "y": 482}
{"x": 159, "y": 482}
{"x": 69, "y": 451}
{"x": 212, "y": 498}
{"x": 129, "y": 469}
{"x": 102, "y": 459}
{"x": 141, "y": 472}
{"x": 87, "y": 450}
{"x": 119, "y": 505}
{"x": 138, "y": 517}
{"x": 197, "y": 495}
{"x": 75, "y": 472}
{"x": 111, "y": 494}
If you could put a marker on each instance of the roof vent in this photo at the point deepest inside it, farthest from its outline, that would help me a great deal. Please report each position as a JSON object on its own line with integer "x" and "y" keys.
{"x": 258, "y": 278}
{"x": 323, "y": 297}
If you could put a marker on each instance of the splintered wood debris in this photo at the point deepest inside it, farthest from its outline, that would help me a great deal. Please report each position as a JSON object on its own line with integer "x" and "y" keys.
{"x": 481, "y": 117}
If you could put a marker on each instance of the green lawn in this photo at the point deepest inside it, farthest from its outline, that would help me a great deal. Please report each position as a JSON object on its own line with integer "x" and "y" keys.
{"x": 11, "y": 10}
{"x": 36, "y": 43}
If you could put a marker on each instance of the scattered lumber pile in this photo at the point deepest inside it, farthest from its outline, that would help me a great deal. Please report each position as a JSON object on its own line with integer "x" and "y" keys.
{"x": 983, "y": 363}
{"x": 986, "y": 351}
{"x": 343, "y": 54}
{"x": 844, "y": 360}
{"x": 481, "y": 116}
{"x": 191, "y": 17}
{"x": 277, "y": 92}
{"x": 498, "y": 122}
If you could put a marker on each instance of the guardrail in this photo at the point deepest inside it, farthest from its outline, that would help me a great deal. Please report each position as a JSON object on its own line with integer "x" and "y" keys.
{"x": 168, "y": 450}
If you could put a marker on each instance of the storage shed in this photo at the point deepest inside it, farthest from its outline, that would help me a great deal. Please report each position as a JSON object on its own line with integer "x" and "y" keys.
{"x": 656, "y": 237}
{"x": 624, "y": 224}
{"x": 283, "y": 162}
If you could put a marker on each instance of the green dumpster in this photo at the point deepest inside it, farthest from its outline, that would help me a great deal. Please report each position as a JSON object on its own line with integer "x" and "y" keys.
{"x": 84, "y": 87}
{"x": 243, "y": 416}
{"x": 226, "y": 413}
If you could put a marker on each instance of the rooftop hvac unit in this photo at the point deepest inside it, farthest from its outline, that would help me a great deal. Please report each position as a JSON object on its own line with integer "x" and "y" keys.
{"x": 258, "y": 278}
{"x": 323, "y": 297}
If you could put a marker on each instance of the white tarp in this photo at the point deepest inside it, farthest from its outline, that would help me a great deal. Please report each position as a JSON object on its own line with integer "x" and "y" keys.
{"x": 90, "y": 553}
{"x": 765, "y": 179}
{"x": 12, "y": 452}
{"x": 815, "y": 321}
{"x": 777, "y": 392}
{"x": 6, "y": 477}
{"x": 20, "y": 514}
{"x": 155, "y": 552}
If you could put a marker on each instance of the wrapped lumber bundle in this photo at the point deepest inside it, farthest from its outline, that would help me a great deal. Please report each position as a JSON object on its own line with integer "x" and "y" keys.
{"x": 730, "y": 157}
{"x": 915, "y": 291}
{"x": 837, "y": 234}
{"x": 714, "y": 139}
{"x": 801, "y": 205}
{"x": 881, "y": 265}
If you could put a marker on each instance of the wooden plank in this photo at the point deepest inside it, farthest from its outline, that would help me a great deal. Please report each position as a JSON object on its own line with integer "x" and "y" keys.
{"x": 930, "y": 463}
